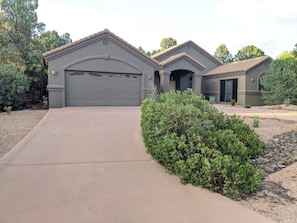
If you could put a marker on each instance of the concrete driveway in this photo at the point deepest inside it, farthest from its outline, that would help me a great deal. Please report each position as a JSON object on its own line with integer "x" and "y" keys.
{"x": 89, "y": 165}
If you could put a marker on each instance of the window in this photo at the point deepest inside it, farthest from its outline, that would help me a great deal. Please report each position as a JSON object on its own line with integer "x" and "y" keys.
{"x": 228, "y": 90}
{"x": 260, "y": 86}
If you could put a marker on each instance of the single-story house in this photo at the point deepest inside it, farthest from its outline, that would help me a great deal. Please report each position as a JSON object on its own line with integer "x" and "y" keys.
{"x": 103, "y": 69}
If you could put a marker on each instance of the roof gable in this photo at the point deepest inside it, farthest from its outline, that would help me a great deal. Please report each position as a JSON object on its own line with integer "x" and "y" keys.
{"x": 187, "y": 44}
{"x": 183, "y": 56}
{"x": 105, "y": 34}
{"x": 238, "y": 66}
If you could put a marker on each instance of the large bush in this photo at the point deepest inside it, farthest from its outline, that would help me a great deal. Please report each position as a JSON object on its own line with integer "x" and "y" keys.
{"x": 280, "y": 81}
{"x": 13, "y": 85}
{"x": 195, "y": 141}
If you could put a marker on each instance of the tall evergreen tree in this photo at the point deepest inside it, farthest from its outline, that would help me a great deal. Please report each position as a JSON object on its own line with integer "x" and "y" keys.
{"x": 280, "y": 82}
{"x": 222, "y": 54}
{"x": 248, "y": 52}
{"x": 19, "y": 27}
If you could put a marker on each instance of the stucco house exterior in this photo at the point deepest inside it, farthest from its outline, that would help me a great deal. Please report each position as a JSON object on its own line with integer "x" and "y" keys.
{"x": 103, "y": 69}
{"x": 239, "y": 80}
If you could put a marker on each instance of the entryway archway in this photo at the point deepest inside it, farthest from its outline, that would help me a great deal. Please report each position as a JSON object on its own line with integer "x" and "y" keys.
{"x": 181, "y": 80}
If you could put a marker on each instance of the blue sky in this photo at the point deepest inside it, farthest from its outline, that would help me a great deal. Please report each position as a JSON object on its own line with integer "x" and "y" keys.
{"x": 270, "y": 25}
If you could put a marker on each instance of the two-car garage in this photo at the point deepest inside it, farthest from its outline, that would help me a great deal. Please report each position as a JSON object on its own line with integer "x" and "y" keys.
{"x": 101, "y": 69}
{"x": 101, "y": 88}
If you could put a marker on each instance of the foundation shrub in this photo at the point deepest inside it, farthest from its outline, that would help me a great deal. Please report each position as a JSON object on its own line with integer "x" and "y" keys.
{"x": 195, "y": 141}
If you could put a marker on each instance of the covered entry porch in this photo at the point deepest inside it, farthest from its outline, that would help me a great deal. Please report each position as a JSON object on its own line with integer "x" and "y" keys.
{"x": 179, "y": 73}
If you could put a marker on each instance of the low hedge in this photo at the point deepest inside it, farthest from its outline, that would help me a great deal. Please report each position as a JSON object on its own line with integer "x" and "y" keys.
{"x": 195, "y": 141}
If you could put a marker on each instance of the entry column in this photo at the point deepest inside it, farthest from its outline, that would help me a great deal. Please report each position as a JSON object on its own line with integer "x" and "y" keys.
{"x": 197, "y": 81}
{"x": 164, "y": 80}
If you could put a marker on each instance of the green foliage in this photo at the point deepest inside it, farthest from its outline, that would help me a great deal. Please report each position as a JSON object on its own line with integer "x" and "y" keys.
{"x": 255, "y": 122}
{"x": 247, "y": 106}
{"x": 8, "y": 109}
{"x": 287, "y": 101}
{"x": 295, "y": 50}
{"x": 19, "y": 28}
{"x": 248, "y": 52}
{"x": 22, "y": 40}
{"x": 51, "y": 39}
{"x": 212, "y": 99}
{"x": 167, "y": 43}
{"x": 280, "y": 81}
{"x": 13, "y": 85}
{"x": 222, "y": 54}
{"x": 195, "y": 141}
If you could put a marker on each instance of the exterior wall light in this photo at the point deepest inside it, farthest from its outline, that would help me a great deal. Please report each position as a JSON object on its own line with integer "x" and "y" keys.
{"x": 252, "y": 79}
{"x": 53, "y": 72}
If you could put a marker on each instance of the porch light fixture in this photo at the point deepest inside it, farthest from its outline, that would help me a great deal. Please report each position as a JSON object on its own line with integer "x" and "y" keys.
{"x": 252, "y": 79}
{"x": 53, "y": 72}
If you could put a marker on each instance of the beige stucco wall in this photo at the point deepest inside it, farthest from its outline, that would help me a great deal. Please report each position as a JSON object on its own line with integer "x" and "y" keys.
{"x": 95, "y": 55}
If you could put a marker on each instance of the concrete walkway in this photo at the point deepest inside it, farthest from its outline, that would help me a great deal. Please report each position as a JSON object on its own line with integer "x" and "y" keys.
{"x": 89, "y": 165}
{"x": 283, "y": 114}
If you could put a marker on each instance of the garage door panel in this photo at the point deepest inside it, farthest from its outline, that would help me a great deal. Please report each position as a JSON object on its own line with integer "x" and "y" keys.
{"x": 83, "y": 89}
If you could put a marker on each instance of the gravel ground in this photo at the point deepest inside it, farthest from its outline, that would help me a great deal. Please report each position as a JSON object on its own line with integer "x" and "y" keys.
{"x": 17, "y": 125}
{"x": 277, "y": 199}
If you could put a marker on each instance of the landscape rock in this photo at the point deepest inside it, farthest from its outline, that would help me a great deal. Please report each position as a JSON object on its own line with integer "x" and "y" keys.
{"x": 280, "y": 152}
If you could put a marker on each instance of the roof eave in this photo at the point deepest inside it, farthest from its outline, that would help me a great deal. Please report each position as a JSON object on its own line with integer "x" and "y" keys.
{"x": 58, "y": 52}
{"x": 217, "y": 74}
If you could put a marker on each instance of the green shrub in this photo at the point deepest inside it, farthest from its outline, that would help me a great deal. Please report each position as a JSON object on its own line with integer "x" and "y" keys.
{"x": 255, "y": 122}
{"x": 247, "y": 106}
{"x": 13, "y": 85}
{"x": 195, "y": 141}
{"x": 8, "y": 109}
{"x": 287, "y": 101}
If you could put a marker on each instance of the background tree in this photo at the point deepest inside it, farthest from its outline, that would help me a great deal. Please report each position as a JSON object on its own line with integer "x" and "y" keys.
{"x": 167, "y": 43}
{"x": 20, "y": 26}
{"x": 248, "y": 52}
{"x": 295, "y": 50}
{"x": 13, "y": 85}
{"x": 51, "y": 39}
{"x": 23, "y": 39}
{"x": 222, "y": 54}
{"x": 280, "y": 82}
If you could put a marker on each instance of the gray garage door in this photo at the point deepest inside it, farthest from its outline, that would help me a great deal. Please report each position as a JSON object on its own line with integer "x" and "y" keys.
{"x": 95, "y": 88}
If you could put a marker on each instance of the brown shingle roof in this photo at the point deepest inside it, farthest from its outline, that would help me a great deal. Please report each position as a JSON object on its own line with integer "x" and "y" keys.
{"x": 237, "y": 66}
{"x": 186, "y": 57}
